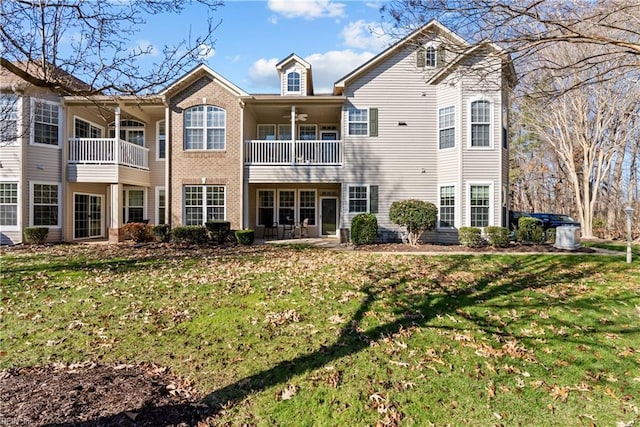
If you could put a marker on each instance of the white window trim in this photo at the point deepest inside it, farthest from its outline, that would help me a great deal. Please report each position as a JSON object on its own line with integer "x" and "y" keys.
{"x": 273, "y": 127}
{"x": 19, "y": 135}
{"x": 204, "y": 128}
{"x": 368, "y": 198}
{"x": 204, "y": 201}
{"x": 491, "y": 123}
{"x": 295, "y": 203}
{"x": 468, "y": 202}
{"x": 157, "y": 203}
{"x": 125, "y": 201}
{"x": 456, "y": 209}
{"x": 286, "y": 82}
{"x": 280, "y": 132}
{"x": 315, "y": 206}
{"x": 455, "y": 123}
{"x": 32, "y": 184}
{"x": 32, "y": 123}
{"x": 158, "y": 158}
{"x": 112, "y": 126}
{"x": 368, "y": 121}
{"x": 87, "y": 121}
{"x": 435, "y": 47}
{"x": 18, "y": 225}
{"x": 315, "y": 127}
{"x": 275, "y": 204}
{"x": 102, "y": 214}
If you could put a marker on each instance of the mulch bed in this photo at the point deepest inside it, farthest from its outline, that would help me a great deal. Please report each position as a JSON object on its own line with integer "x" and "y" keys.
{"x": 89, "y": 394}
{"x": 513, "y": 248}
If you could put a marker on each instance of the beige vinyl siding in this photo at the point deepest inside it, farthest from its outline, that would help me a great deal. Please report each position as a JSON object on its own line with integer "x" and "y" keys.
{"x": 303, "y": 78}
{"x": 396, "y": 158}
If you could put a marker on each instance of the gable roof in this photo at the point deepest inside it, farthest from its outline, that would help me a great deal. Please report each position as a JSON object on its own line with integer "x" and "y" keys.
{"x": 33, "y": 73}
{"x": 195, "y": 74}
{"x": 431, "y": 26}
{"x": 295, "y": 58}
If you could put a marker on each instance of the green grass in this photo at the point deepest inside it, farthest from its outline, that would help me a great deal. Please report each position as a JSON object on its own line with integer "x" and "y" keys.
{"x": 615, "y": 245}
{"x": 300, "y": 336}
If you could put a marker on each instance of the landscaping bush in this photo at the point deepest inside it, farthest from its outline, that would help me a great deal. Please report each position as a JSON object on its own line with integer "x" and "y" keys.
{"x": 364, "y": 229}
{"x": 245, "y": 237}
{"x": 470, "y": 237}
{"x": 550, "y": 236}
{"x": 162, "y": 232}
{"x": 417, "y": 216}
{"x": 192, "y": 234}
{"x": 498, "y": 237}
{"x": 529, "y": 230}
{"x": 36, "y": 235}
{"x": 218, "y": 230}
{"x": 138, "y": 232}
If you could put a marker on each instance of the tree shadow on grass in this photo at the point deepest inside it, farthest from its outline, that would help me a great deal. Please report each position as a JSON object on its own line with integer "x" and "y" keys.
{"x": 415, "y": 309}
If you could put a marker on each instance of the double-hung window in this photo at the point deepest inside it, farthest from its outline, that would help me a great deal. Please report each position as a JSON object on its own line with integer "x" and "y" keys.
{"x": 46, "y": 122}
{"x": 358, "y": 198}
{"x": 8, "y": 118}
{"x": 308, "y": 206}
{"x": 430, "y": 56}
{"x": 447, "y": 206}
{"x": 480, "y": 123}
{"x": 130, "y": 130}
{"x": 161, "y": 202}
{"x": 479, "y": 203}
{"x": 358, "y": 121}
{"x": 133, "y": 210}
{"x": 204, "y": 203}
{"x": 286, "y": 206}
{"x": 46, "y": 205}
{"x": 204, "y": 128}
{"x": 266, "y": 207}
{"x": 447, "y": 127}
{"x": 8, "y": 204}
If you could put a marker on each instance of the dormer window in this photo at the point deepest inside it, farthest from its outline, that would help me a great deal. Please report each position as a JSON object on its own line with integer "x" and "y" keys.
{"x": 293, "y": 82}
{"x": 430, "y": 56}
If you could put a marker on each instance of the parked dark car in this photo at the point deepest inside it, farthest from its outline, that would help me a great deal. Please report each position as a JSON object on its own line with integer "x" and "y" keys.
{"x": 552, "y": 220}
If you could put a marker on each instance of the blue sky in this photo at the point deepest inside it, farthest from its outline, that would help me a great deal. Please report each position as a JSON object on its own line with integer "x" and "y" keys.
{"x": 334, "y": 37}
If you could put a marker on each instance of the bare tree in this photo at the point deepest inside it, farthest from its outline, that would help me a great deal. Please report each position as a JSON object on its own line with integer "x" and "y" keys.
{"x": 587, "y": 127}
{"x": 99, "y": 32}
{"x": 524, "y": 27}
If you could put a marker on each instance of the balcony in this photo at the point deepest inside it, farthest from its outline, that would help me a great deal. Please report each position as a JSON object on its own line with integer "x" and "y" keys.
{"x": 295, "y": 153}
{"x": 107, "y": 160}
{"x": 107, "y": 151}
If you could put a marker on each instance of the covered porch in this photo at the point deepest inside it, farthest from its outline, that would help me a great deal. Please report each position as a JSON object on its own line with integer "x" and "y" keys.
{"x": 294, "y": 210}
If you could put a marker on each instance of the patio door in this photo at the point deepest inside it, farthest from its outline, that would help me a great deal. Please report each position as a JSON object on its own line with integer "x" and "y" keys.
{"x": 87, "y": 216}
{"x": 329, "y": 215}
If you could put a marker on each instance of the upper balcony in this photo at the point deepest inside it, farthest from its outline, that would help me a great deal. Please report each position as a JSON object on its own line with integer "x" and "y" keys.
{"x": 107, "y": 160}
{"x": 293, "y": 153}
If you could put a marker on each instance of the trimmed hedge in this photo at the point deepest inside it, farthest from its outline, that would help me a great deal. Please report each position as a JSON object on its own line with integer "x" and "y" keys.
{"x": 497, "y": 236}
{"x": 218, "y": 230}
{"x": 417, "y": 216}
{"x": 35, "y": 235}
{"x": 245, "y": 237}
{"x": 529, "y": 230}
{"x": 190, "y": 234}
{"x": 364, "y": 229}
{"x": 162, "y": 232}
{"x": 138, "y": 231}
{"x": 470, "y": 237}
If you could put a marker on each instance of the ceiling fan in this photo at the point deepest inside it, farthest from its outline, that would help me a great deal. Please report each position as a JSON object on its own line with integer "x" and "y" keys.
{"x": 302, "y": 117}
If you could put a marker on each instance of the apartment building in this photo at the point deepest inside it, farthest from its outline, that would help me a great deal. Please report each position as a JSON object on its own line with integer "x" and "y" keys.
{"x": 427, "y": 119}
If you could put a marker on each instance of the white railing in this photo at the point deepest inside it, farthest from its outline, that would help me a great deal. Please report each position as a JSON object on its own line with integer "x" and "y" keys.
{"x": 107, "y": 151}
{"x": 269, "y": 152}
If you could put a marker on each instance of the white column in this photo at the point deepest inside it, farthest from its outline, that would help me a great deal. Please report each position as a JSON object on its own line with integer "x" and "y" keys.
{"x": 117, "y": 140}
{"x": 115, "y": 213}
{"x": 293, "y": 134}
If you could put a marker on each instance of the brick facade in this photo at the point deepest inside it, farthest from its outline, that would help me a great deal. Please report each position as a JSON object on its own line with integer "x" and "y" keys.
{"x": 189, "y": 167}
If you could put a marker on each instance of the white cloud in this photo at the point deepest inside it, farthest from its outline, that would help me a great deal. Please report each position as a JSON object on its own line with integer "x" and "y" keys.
{"x": 328, "y": 67}
{"x": 307, "y": 9}
{"x": 365, "y": 35}
{"x": 263, "y": 74}
{"x": 206, "y": 52}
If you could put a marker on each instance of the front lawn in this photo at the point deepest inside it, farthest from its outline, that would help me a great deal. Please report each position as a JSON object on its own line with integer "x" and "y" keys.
{"x": 302, "y": 336}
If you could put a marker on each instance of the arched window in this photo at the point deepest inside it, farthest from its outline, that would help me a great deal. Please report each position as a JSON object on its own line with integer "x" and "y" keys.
{"x": 130, "y": 130}
{"x": 430, "y": 56}
{"x": 204, "y": 128}
{"x": 293, "y": 82}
